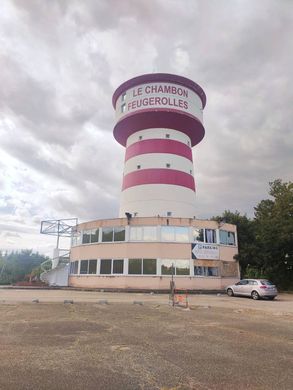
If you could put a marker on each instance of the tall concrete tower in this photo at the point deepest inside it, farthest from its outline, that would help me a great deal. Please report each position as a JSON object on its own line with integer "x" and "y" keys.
{"x": 159, "y": 120}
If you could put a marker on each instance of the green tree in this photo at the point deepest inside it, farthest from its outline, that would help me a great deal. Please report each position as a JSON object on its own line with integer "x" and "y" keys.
{"x": 15, "y": 265}
{"x": 274, "y": 234}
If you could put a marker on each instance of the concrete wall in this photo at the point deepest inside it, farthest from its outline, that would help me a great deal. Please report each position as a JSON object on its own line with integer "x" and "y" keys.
{"x": 150, "y": 282}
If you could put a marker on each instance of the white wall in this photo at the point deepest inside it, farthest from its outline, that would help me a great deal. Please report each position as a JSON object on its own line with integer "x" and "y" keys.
{"x": 57, "y": 276}
{"x": 158, "y": 160}
{"x": 157, "y": 199}
{"x": 158, "y": 133}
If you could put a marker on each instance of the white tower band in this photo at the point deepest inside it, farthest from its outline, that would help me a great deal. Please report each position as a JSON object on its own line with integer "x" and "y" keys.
{"x": 159, "y": 120}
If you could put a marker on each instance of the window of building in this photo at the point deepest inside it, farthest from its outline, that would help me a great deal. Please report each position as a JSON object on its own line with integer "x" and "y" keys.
{"x": 167, "y": 135}
{"x": 123, "y": 107}
{"x": 136, "y": 233}
{"x": 168, "y": 165}
{"x": 168, "y": 233}
{"x": 206, "y": 271}
{"x": 175, "y": 233}
{"x": 149, "y": 267}
{"x": 110, "y": 234}
{"x": 138, "y": 166}
{"x": 142, "y": 266}
{"x": 89, "y": 236}
{"x": 94, "y": 235}
{"x": 169, "y": 213}
{"x": 177, "y": 267}
{"x": 118, "y": 266}
{"x": 182, "y": 267}
{"x": 198, "y": 235}
{"x": 106, "y": 265}
{"x": 86, "y": 236}
{"x": 92, "y": 267}
{"x": 84, "y": 267}
{"x": 168, "y": 267}
{"x": 149, "y": 233}
{"x": 119, "y": 233}
{"x": 227, "y": 238}
{"x": 190, "y": 171}
{"x": 134, "y": 266}
{"x": 140, "y": 137}
{"x": 210, "y": 236}
{"x": 107, "y": 234}
{"x": 75, "y": 270}
{"x": 76, "y": 238}
{"x": 123, "y": 97}
{"x": 71, "y": 269}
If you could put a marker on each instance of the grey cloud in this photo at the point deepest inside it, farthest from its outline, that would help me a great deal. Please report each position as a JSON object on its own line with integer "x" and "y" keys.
{"x": 62, "y": 61}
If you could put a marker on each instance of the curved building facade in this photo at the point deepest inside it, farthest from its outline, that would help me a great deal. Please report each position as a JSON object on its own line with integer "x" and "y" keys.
{"x": 158, "y": 122}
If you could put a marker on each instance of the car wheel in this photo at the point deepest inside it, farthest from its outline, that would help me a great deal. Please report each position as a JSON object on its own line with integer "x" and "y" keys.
{"x": 255, "y": 295}
{"x": 271, "y": 298}
{"x": 230, "y": 292}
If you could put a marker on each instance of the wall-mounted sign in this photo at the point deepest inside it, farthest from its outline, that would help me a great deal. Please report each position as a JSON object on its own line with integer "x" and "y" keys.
{"x": 151, "y": 96}
{"x": 200, "y": 250}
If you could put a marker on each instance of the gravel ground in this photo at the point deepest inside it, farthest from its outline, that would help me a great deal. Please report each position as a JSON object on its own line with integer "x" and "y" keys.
{"x": 220, "y": 343}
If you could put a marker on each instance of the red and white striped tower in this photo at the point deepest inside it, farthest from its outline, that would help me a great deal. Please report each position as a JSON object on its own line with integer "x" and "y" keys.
{"x": 159, "y": 120}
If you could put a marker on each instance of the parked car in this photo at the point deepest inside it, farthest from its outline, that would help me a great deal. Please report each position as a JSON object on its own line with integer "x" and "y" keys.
{"x": 254, "y": 288}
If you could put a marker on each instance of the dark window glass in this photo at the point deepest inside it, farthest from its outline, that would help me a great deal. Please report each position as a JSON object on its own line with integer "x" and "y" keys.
{"x": 118, "y": 266}
{"x": 210, "y": 236}
{"x": 105, "y": 267}
{"x": 212, "y": 271}
{"x": 227, "y": 238}
{"x": 168, "y": 267}
{"x": 107, "y": 235}
{"x": 92, "y": 266}
{"x": 266, "y": 283}
{"x": 75, "y": 267}
{"x": 95, "y": 235}
{"x": 231, "y": 238}
{"x": 243, "y": 282}
{"x": 86, "y": 236}
{"x": 149, "y": 266}
{"x": 182, "y": 267}
{"x": 119, "y": 234}
{"x": 199, "y": 271}
{"x": 134, "y": 266}
{"x": 84, "y": 266}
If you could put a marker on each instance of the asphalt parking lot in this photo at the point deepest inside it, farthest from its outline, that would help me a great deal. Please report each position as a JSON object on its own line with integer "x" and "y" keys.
{"x": 105, "y": 341}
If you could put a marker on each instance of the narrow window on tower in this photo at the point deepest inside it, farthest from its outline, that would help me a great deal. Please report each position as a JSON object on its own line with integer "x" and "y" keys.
{"x": 167, "y": 135}
{"x": 190, "y": 171}
{"x": 123, "y": 107}
{"x": 123, "y": 97}
{"x": 169, "y": 213}
{"x": 140, "y": 137}
{"x": 138, "y": 166}
{"x": 168, "y": 165}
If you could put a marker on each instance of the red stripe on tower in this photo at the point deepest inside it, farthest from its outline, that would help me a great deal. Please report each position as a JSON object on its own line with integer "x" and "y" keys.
{"x": 158, "y": 146}
{"x": 158, "y": 176}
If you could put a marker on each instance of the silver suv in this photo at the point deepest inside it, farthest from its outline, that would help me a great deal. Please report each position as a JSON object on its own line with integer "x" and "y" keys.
{"x": 254, "y": 288}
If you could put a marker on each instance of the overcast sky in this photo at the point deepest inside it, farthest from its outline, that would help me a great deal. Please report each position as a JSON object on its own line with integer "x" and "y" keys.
{"x": 60, "y": 62}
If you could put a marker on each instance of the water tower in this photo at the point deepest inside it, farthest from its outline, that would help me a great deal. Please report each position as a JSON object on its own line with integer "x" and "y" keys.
{"x": 159, "y": 120}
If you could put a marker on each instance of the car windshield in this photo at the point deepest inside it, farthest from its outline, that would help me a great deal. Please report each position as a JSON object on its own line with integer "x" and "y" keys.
{"x": 266, "y": 283}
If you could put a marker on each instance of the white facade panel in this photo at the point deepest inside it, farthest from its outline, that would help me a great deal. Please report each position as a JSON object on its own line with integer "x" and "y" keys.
{"x": 158, "y": 199}
{"x": 158, "y": 133}
{"x": 158, "y": 160}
